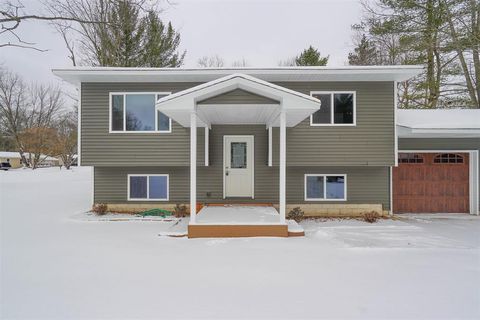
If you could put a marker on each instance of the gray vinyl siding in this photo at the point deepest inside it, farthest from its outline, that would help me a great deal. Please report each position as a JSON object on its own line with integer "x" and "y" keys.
{"x": 369, "y": 143}
{"x": 364, "y": 185}
{"x": 440, "y": 144}
{"x": 101, "y": 148}
{"x": 238, "y": 96}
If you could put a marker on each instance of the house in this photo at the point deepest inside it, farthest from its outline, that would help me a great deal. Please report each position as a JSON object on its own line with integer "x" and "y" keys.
{"x": 12, "y": 157}
{"x": 320, "y": 138}
{"x": 15, "y": 160}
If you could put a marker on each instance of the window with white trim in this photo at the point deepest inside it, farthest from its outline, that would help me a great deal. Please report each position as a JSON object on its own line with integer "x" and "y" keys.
{"x": 325, "y": 187}
{"x": 148, "y": 187}
{"x": 337, "y": 108}
{"x": 135, "y": 112}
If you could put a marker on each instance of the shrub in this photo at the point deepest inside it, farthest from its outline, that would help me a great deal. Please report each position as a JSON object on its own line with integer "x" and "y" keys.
{"x": 100, "y": 208}
{"x": 371, "y": 216}
{"x": 296, "y": 214}
{"x": 180, "y": 211}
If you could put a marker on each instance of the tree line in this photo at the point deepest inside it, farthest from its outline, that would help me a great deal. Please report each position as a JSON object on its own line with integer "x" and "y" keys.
{"x": 442, "y": 35}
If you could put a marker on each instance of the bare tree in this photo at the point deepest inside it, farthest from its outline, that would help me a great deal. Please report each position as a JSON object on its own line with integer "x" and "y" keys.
{"x": 65, "y": 146}
{"x": 13, "y": 107}
{"x": 214, "y": 61}
{"x": 14, "y": 12}
{"x": 241, "y": 63}
{"x": 27, "y": 115}
{"x": 290, "y": 62}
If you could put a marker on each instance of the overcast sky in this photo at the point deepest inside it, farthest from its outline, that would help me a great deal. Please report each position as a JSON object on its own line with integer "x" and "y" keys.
{"x": 263, "y": 32}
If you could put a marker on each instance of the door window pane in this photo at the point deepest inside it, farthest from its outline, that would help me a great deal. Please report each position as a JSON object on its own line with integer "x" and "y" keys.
{"x": 138, "y": 187}
{"x": 140, "y": 111}
{"x": 335, "y": 187}
{"x": 158, "y": 187}
{"x": 238, "y": 155}
{"x": 117, "y": 112}
{"x": 314, "y": 187}
{"x": 324, "y": 114}
{"x": 343, "y": 108}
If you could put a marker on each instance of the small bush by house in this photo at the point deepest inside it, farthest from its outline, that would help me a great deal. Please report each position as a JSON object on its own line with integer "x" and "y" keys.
{"x": 99, "y": 208}
{"x": 296, "y": 214}
{"x": 371, "y": 216}
{"x": 180, "y": 211}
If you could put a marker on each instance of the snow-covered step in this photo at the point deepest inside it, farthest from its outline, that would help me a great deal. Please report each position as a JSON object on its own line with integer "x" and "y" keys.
{"x": 294, "y": 229}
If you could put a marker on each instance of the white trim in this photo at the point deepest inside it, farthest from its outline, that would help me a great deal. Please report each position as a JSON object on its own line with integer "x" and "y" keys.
{"x": 125, "y": 93}
{"x": 148, "y": 175}
{"x": 270, "y": 147}
{"x": 207, "y": 149}
{"x": 305, "y": 73}
{"x": 298, "y": 106}
{"x": 332, "y": 109}
{"x": 193, "y": 166}
{"x": 79, "y": 128}
{"x": 252, "y": 137}
{"x": 283, "y": 165}
{"x": 391, "y": 190}
{"x": 325, "y": 175}
{"x": 474, "y": 182}
{"x": 92, "y": 172}
{"x": 395, "y": 131}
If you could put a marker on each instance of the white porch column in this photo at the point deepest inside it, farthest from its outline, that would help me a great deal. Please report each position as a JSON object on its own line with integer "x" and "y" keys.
{"x": 207, "y": 151}
{"x": 193, "y": 166}
{"x": 270, "y": 163}
{"x": 283, "y": 171}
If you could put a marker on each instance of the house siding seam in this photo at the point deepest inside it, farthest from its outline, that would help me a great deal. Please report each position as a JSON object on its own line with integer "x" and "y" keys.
{"x": 369, "y": 143}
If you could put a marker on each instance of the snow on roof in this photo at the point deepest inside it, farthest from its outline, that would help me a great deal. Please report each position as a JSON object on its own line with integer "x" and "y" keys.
{"x": 439, "y": 118}
{"x": 16, "y": 155}
{"x": 9, "y": 154}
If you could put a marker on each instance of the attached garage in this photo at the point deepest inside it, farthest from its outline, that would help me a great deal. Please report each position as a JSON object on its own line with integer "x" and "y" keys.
{"x": 431, "y": 183}
{"x": 438, "y": 167}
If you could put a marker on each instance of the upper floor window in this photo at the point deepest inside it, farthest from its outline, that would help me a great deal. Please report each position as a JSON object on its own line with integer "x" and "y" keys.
{"x": 337, "y": 108}
{"x": 135, "y": 111}
{"x": 448, "y": 158}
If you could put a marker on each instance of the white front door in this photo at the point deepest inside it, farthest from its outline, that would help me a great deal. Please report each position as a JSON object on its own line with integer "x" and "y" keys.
{"x": 238, "y": 166}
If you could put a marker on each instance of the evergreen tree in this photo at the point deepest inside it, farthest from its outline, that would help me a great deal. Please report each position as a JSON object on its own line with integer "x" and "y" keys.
{"x": 365, "y": 53}
{"x": 127, "y": 29}
{"x": 161, "y": 43}
{"x": 311, "y": 57}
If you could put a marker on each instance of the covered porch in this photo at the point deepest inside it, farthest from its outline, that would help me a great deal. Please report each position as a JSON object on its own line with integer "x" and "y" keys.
{"x": 213, "y": 103}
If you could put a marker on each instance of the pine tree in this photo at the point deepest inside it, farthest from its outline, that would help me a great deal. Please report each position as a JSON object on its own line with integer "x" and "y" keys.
{"x": 365, "y": 53}
{"x": 161, "y": 43}
{"x": 127, "y": 30}
{"x": 311, "y": 57}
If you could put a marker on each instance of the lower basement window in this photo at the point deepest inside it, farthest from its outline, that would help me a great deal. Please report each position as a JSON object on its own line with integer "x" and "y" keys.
{"x": 325, "y": 187}
{"x": 148, "y": 187}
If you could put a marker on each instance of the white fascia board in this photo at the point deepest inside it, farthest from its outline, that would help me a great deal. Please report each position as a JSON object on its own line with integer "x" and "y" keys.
{"x": 407, "y": 132}
{"x": 347, "y": 73}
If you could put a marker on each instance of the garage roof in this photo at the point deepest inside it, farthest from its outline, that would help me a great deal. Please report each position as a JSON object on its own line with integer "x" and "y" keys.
{"x": 436, "y": 123}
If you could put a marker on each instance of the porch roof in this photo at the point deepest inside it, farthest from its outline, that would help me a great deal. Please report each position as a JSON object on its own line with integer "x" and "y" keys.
{"x": 180, "y": 105}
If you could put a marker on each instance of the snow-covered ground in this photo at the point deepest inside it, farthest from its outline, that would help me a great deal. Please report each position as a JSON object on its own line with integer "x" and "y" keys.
{"x": 55, "y": 266}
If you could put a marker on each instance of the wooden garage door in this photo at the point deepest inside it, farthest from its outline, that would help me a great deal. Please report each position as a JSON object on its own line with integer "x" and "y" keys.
{"x": 431, "y": 183}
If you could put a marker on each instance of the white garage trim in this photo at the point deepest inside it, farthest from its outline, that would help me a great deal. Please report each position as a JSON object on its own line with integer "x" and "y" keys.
{"x": 473, "y": 175}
